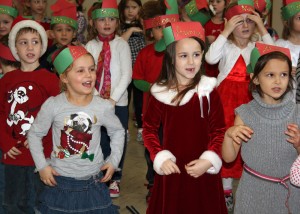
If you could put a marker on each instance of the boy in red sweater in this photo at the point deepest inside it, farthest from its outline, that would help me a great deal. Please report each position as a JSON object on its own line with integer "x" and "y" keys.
{"x": 22, "y": 92}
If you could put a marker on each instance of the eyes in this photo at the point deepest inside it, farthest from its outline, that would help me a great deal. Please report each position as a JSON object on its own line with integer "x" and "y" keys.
{"x": 90, "y": 69}
{"x": 111, "y": 19}
{"x": 26, "y": 42}
{"x": 283, "y": 74}
{"x": 195, "y": 55}
{"x": 61, "y": 30}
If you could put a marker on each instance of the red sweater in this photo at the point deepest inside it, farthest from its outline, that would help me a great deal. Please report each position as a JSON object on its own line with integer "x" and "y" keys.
{"x": 21, "y": 97}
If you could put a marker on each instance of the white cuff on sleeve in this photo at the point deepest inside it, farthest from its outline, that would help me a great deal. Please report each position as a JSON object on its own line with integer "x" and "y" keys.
{"x": 161, "y": 157}
{"x": 214, "y": 159}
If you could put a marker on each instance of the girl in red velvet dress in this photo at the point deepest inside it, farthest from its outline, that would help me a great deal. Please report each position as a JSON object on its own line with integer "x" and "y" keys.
{"x": 232, "y": 51}
{"x": 187, "y": 106}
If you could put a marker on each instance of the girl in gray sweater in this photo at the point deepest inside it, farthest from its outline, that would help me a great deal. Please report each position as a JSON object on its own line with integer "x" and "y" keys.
{"x": 73, "y": 176}
{"x": 266, "y": 130}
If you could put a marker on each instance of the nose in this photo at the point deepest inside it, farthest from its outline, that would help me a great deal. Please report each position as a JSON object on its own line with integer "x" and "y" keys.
{"x": 30, "y": 46}
{"x": 190, "y": 60}
{"x": 277, "y": 79}
{"x": 245, "y": 24}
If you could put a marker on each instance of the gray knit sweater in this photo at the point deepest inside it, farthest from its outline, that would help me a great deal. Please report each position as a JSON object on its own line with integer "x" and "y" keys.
{"x": 76, "y": 136}
{"x": 269, "y": 153}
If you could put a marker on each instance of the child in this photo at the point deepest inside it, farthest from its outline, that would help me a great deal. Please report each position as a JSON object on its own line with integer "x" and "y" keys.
{"x": 290, "y": 13}
{"x": 149, "y": 62}
{"x": 184, "y": 102}
{"x": 63, "y": 29}
{"x": 7, "y": 15}
{"x": 75, "y": 182}
{"x": 232, "y": 51}
{"x": 7, "y": 63}
{"x": 215, "y": 25}
{"x": 268, "y": 125}
{"x": 263, "y": 7}
{"x": 213, "y": 28}
{"x": 114, "y": 70}
{"x": 22, "y": 93}
{"x": 132, "y": 32}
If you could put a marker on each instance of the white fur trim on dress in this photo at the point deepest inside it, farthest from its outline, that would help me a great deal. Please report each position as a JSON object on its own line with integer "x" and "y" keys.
{"x": 23, "y": 24}
{"x": 204, "y": 88}
{"x": 214, "y": 159}
{"x": 161, "y": 157}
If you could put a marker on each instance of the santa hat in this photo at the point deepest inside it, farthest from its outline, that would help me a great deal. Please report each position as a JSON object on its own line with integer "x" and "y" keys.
{"x": 179, "y": 30}
{"x": 171, "y": 16}
{"x": 243, "y": 6}
{"x": 194, "y": 10}
{"x": 64, "y": 12}
{"x": 262, "y": 5}
{"x": 20, "y": 23}
{"x": 290, "y": 8}
{"x": 109, "y": 9}
{"x": 262, "y": 49}
{"x": 6, "y": 54}
{"x": 65, "y": 56}
{"x": 6, "y": 7}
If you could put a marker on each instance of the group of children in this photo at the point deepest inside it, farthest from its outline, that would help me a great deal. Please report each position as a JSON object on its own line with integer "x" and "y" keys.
{"x": 64, "y": 106}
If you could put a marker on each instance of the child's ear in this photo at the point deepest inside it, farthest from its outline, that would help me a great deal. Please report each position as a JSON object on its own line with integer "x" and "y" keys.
{"x": 50, "y": 34}
{"x": 255, "y": 80}
{"x": 63, "y": 78}
{"x": 91, "y": 22}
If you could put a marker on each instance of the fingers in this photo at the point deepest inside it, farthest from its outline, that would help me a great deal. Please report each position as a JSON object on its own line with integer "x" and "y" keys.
{"x": 13, "y": 152}
{"x": 169, "y": 167}
{"x": 50, "y": 181}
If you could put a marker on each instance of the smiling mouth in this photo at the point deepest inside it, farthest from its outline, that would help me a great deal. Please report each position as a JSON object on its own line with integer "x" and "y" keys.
{"x": 87, "y": 84}
{"x": 30, "y": 55}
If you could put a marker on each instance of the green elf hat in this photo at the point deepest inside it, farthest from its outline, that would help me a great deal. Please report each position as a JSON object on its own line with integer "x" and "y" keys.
{"x": 243, "y": 6}
{"x": 290, "y": 8}
{"x": 171, "y": 16}
{"x": 64, "y": 12}
{"x": 109, "y": 9}
{"x": 6, "y": 7}
{"x": 262, "y": 5}
{"x": 180, "y": 30}
{"x": 194, "y": 10}
{"x": 65, "y": 56}
{"x": 262, "y": 49}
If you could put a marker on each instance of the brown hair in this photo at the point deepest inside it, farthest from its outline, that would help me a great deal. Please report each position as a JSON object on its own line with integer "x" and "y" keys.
{"x": 26, "y": 30}
{"x": 122, "y": 6}
{"x": 150, "y": 10}
{"x": 168, "y": 72}
{"x": 287, "y": 28}
{"x": 262, "y": 62}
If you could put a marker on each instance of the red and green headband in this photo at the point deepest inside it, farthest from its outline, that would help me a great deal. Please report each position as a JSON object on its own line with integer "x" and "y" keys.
{"x": 109, "y": 9}
{"x": 66, "y": 56}
{"x": 290, "y": 8}
{"x": 193, "y": 10}
{"x": 262, "y": 49}
{"x": 6, "y": 7}
{"x": 180, "y": 30}
{"x": 243, "y": 6}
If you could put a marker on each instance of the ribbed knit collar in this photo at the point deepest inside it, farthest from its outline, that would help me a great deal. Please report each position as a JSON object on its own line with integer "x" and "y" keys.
{"x": 274, "y": 111}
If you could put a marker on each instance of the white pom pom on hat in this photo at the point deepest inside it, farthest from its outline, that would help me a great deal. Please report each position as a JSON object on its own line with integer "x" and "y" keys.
{"x": 24, "y": 23}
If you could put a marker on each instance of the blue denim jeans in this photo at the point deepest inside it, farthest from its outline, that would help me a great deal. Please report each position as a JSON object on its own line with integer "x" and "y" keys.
{"x": 122, "y": 114}
{"x": 2, "y": 184}
{"x": 77, "y": 196}
{"x": 21, "y": 187}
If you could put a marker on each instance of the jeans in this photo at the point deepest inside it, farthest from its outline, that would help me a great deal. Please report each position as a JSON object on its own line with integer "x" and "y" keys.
{"x": 21, "y": 188}
{"x": 122, "y": 114}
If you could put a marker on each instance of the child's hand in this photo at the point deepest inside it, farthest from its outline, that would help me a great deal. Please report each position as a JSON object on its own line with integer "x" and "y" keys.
{"x": 47, "y": 177}
{"x": 197, "y": 167}
{"x": 169, "y": 167}
{"x": 14, "y": 151}
{"x": 231, "y": 24}
{"x": 258, "y": 21}
{"x": 294, "y": 135}
{"x": 26, "y": 144}
{"x": 239, "y": 133}
{"x": 136, "y": 30}
{"x": 109, "y": 172}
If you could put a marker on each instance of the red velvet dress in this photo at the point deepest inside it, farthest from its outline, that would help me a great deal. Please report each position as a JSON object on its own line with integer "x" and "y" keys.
{"x": 186, "y": 135}
{"x": 234, "y": 91}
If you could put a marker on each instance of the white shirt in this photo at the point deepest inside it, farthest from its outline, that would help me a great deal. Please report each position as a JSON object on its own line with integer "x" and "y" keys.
{"x": 120, "y": 67}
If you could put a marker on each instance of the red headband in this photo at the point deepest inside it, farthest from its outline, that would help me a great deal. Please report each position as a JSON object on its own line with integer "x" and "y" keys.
{"x": 238, "y": 10}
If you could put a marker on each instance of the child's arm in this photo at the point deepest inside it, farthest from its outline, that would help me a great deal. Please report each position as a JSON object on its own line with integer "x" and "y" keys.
{"x": 216, "y": 49}
{"x": 127, "y": 34}
{"x": 266, "y": 37}
{"x": 116, "y": 133}
{"x": 38, "y": 130}
{"x": 125, "y": 71}
{"x": 233, "y": 139}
